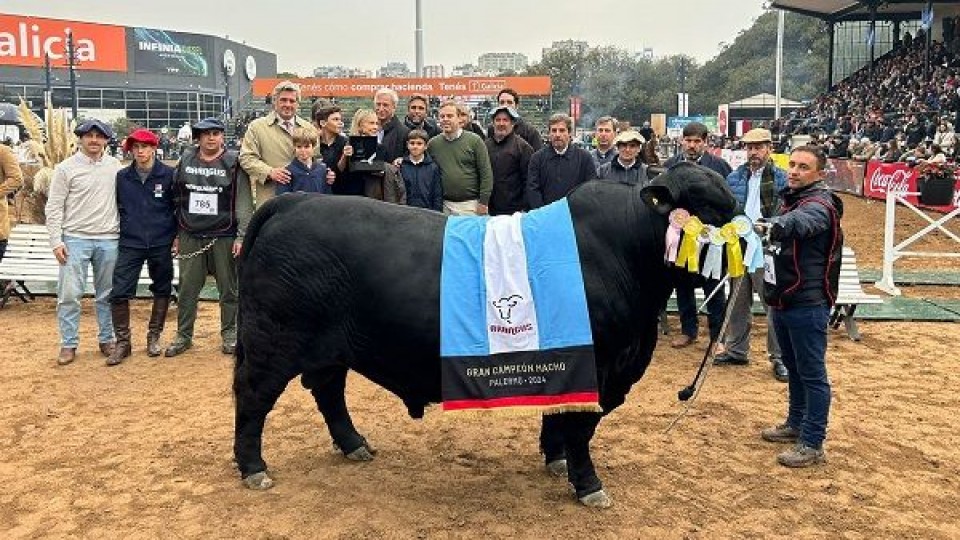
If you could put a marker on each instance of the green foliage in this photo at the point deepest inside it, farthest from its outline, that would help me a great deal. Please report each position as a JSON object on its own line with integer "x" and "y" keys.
{"x": 287, "y": 75}
{"x": 123, "y": 127}
{"x": 614, "y": 81}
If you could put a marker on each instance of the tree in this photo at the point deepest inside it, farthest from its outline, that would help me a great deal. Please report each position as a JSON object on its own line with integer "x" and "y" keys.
{"x": 287, "y": 75}
{"x": 123, "y": 127}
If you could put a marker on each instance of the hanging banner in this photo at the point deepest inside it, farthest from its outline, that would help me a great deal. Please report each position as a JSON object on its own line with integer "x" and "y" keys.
{"x": 451, "y": 86}
{"x": 171, "y": 53}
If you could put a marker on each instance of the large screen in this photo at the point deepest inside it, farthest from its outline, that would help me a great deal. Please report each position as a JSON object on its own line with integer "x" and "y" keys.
{"x": 171, "y": 53}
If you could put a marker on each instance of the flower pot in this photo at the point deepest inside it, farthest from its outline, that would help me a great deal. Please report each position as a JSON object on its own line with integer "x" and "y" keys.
{"x": 936, "y": 190}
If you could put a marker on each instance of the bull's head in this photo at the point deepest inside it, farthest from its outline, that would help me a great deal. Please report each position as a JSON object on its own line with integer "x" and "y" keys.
{"x": 506, "y": 305}
{"x": 701, "y": 191}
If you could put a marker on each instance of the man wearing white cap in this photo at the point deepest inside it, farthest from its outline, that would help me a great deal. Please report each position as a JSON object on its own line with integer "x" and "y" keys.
{"x": 625, "y": 167}
{"x": 756, "y": 184}
{"x": 84, "y": 229}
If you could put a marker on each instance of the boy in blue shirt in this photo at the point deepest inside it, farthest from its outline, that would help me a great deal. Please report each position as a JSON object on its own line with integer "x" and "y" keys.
{"x": 421, "y": 175}
{"x": 306, "y": 173}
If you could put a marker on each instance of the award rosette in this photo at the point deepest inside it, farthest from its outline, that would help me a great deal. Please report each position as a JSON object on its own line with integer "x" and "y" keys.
{"x": 731, "y": 235}
{"x": 678, "y": 218}
{"x": 753, "y": 256}
{"x": 689, "y": 254}
{"x": 713, "y": 263}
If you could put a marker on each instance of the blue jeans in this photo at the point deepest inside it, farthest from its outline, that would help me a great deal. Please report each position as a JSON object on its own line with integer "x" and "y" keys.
{"x": 802, "y": 333}
{"x": 82, "y": 253}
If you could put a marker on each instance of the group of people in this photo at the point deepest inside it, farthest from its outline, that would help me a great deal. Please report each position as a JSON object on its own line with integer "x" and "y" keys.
{"x": 114, "y": 218}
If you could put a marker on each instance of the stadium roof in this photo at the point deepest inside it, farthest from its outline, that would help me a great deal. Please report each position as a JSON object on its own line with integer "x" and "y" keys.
{"x": 856, "y": 10}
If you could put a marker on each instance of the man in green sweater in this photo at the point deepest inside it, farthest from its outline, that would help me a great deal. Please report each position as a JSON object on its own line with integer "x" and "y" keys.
{"x": 464, "y": 165}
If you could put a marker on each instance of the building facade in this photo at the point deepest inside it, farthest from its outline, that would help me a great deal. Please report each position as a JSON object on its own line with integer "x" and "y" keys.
{"x": 155, "y": 78}
{"x": 494, "y": 63}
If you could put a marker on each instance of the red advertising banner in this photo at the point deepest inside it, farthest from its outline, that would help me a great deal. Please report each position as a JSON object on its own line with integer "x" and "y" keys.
{"x": 882, "y": 177}
{"x": 455, "y": 86}
{"x": 575, "y": 103}
{"x": 25, "y": 40}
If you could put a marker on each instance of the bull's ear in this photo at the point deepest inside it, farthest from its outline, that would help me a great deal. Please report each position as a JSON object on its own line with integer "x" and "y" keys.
{"x": 658, "y": 197}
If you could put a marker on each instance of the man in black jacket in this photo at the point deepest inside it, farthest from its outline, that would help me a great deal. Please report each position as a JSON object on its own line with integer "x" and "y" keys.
{"x": 694, "y": 151}
{"x": 147, "y": 230}
{"x": 801, "y": 271}
{"x": 556, "y": 169}
{"x": 508, "y": 97}
{"x": 392, "y": 134}
{"x": 509, "y": 158}
{"x": 417, "y": 107}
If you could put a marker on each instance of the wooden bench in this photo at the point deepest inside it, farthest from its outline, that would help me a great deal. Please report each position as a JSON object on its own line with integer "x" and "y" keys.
{"x": 29, "y": 259}
{"x": 850, "y": 294}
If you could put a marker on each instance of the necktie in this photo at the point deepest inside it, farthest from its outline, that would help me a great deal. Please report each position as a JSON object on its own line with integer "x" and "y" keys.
{"x": 288, "y": 125}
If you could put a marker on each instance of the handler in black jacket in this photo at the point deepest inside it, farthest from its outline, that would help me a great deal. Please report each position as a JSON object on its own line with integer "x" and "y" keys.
{"x": 801, "y": 271}
{"x": 510, "y": 160}
{"x": 147, "y": 229}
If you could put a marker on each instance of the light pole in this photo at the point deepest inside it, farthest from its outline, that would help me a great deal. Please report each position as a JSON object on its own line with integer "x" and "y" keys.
{"x": 71, "y": 64}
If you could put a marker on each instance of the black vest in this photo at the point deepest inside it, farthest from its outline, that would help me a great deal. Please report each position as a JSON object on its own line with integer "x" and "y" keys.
{"x": 207, "y": 194}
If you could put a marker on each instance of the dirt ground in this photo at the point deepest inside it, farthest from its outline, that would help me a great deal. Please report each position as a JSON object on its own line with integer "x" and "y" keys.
{"x": 143, "y": 450}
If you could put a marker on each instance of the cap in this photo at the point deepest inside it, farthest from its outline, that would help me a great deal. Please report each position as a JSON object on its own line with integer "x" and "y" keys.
{"x": 511, "y": 112}
{"x": 207, "y": 124}
{"x": 629, "y": 135}
{"x": 140, "y": 136}
{"x": 757, "y": 135}
{"x": 92, "y": 124}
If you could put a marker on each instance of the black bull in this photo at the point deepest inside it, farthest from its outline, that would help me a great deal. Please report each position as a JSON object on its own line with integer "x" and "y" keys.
{"x": 329, "y": 284}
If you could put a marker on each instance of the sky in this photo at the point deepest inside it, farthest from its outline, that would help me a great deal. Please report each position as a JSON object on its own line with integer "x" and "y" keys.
{"x": 369, "y": 33}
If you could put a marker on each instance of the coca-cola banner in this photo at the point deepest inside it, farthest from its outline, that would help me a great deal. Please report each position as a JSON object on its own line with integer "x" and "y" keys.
{"x": 900, "y": 178}
{"x": 845, "y": 175}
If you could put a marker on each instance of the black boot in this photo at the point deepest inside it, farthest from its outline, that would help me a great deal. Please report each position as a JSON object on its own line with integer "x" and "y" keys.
{"x": 158, "y": 316}
{"x": 120, "y": 311}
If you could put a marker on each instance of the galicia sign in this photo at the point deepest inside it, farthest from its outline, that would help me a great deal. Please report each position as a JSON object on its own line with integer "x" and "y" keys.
{"x": 25, "y": 41}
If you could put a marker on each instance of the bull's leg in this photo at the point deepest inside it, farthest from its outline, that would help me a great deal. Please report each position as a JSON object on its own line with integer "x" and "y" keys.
{"x": 253, "y": 403}
{"x": 328, "y": 388}
{"x": 578, "y": 431}
{"x": 551, "y": 444}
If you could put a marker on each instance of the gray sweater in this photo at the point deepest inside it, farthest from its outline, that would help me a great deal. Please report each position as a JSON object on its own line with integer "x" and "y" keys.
{"x": 83, "y": 199}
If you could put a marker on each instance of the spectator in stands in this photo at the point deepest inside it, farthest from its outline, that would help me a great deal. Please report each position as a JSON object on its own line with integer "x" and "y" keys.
{"x": 392, "y": 134}
{"x": 605, "y": 129}
{"x": 148, "y": 225}
{"x": 214, "y": 204}
{"x": 11, "y": 178}
{"x": 508, "y": 97}
{"x": 866, "y": 151}
{"x": 417, "y": 118}
{"x": 756, "y": 185}
{"x": 421, "y": 175}
{"x": 464, "y": 164}
{"x": 267, "y": 145}
{"x": 307, "y": 175}
{"x": 694, "y": 151}
{"x": 946, "y": 138}
{"x": 509, "y": 160}
{"x": 626, "y": 167}
{"x": 557, "y": 168}
{"x": 330, "y": 141}
{"x": 84, "y": 228}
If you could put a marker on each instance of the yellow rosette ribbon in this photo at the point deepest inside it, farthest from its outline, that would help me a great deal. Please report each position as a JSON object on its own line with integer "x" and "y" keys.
{"x": 689, "y": 253}
{"x": 734, "y": 255}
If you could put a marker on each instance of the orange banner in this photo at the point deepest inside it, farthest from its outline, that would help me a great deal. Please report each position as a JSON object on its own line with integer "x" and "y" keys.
{"x": 456, "y": 86}
{"x": 24, "y": 41}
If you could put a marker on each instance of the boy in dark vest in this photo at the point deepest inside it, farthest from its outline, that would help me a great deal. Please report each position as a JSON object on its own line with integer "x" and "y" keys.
{"x": 214, "y": 204}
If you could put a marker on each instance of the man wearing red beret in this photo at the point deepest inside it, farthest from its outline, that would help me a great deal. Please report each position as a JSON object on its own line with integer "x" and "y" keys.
{"x": 147, "y": 229}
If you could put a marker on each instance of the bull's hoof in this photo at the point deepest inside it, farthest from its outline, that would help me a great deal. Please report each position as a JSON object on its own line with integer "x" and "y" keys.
{"x": 597, "y": 499}
{"x": 558, "y": 467}
{"x": 258, "y": 481}
{"x": 364, "y": 452}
